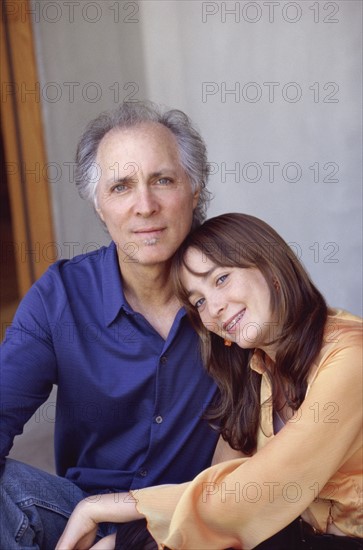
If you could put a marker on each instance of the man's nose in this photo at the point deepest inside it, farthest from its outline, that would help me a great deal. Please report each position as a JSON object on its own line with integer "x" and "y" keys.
{"x": 146, "y": 203}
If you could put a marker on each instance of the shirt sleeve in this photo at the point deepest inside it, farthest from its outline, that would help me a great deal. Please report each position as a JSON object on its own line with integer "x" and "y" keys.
{"x": 28, "y": 367}
{"x": 242, "y": 502}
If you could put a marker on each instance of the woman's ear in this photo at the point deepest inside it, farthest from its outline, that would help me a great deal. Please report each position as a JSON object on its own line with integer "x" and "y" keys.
{"x": 276, "y": 284}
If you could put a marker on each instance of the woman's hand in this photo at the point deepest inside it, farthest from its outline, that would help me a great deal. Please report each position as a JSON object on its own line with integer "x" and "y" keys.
{"x": 81, "y": 529}
{"x": 107, "y": 543}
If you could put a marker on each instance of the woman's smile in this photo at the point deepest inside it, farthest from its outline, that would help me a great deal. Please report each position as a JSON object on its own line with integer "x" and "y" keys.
{"x": 232, "y": 302}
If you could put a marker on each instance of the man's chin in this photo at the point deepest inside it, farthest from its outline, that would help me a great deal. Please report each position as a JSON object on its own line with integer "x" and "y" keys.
{"x": 150, "y": 242}
{"x": 150, "y": 255}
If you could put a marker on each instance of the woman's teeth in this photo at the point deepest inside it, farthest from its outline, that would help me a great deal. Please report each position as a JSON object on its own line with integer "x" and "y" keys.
{"x": 235, "y": 320}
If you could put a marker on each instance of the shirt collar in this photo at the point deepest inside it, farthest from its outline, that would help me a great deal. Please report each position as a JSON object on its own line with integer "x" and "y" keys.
{"x": 259, "y": 361}
{"x": 113, "y": 295}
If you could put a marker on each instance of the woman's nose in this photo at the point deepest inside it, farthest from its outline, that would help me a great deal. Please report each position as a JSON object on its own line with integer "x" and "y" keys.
{"x": 216, "y": 306}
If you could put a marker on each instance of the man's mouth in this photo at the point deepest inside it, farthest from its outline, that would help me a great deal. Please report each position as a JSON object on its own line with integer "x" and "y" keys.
{"x": 228, "y": 327}
{"x": 149, "y": 231}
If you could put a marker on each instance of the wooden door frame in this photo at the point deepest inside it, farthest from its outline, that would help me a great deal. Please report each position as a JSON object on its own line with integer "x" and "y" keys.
{"x": 22, "y": 133}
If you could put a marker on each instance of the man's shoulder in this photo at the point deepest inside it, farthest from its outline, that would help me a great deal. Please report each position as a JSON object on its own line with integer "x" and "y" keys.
{"x": 86, "y": 259}
{"x": 69, "y": 287}
{"x": 90, "y": 262}
{"x": 79, "y": 274}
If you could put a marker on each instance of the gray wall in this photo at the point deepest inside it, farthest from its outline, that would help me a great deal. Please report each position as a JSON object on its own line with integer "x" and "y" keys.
{"x": 275, "y": 88}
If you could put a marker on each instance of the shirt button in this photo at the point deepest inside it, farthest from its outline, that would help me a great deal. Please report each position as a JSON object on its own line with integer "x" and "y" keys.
{"x": 159, "y": 419}
{"x": 143, "y": 473}
{"x": 163, "y": 360}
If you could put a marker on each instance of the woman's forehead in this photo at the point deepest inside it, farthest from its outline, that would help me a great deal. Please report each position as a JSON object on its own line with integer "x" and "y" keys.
{"x": 197, "y": 261}
{"x": 197, "y": 268}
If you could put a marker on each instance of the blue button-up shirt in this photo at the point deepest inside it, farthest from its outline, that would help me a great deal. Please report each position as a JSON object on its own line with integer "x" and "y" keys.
{"x": 129, "y": 403}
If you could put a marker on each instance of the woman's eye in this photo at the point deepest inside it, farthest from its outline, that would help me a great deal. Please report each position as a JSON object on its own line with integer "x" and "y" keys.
{"x": 199, "y": 303}
{"x": 221, "y": 279}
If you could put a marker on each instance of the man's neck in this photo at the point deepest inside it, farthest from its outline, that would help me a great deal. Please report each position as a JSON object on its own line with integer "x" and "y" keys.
{"x": 149, "y": 291}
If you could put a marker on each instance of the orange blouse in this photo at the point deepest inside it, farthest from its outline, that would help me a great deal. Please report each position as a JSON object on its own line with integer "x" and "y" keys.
{"x": 311, "y": 467}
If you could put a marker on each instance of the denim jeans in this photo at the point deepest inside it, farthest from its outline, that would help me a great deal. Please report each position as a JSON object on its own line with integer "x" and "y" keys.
{"x": 35, "y": 506}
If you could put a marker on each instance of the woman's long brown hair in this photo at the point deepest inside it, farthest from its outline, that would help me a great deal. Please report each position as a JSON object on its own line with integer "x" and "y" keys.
{"x": 240, "y": 240}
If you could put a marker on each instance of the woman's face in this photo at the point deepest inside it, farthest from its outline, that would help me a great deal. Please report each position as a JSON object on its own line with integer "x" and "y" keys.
{"x": 232, "y": 302}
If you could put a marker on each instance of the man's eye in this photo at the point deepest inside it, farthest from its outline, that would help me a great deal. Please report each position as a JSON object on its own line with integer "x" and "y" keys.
{"x": 119, "y": 188}
{"x": 164, "y": 181}
{"x": 199, "y": 303}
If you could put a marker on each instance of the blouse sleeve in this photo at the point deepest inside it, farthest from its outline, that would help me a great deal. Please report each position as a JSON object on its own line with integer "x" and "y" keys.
{"x": 241, "y": 502}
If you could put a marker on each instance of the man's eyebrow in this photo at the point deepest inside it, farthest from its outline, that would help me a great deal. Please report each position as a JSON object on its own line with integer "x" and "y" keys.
{"x": 126, "y": 179}
{"x": 163, "y": 172}
{"x": 157, "y": 174}
{"x": 119, "y": 180}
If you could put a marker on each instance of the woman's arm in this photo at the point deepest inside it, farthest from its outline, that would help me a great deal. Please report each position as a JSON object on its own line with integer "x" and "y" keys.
{"x": 241, "y": 502}
{"x": 81, "y": 529}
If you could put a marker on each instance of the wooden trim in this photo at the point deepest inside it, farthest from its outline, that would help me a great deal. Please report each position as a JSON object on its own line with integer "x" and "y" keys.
{"x": 24, "y": 144}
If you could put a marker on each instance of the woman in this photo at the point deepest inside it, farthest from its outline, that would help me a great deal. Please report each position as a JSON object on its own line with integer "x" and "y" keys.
{"x": 287, "y": 469}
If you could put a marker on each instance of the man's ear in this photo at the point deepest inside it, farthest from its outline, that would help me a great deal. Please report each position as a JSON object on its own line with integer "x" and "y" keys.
{"x": 99, "y": 212}
{"x": 196, "y": 198}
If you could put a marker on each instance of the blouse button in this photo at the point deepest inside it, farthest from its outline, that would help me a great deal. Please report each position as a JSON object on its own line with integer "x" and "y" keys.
{"x": 159, "y": 419}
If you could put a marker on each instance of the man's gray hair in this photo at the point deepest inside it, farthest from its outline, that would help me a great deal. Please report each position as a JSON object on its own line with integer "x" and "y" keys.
{"x": 192, "y": 149}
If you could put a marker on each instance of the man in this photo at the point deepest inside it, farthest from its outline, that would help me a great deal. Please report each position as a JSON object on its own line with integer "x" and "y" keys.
{"x": 108, "y": 330}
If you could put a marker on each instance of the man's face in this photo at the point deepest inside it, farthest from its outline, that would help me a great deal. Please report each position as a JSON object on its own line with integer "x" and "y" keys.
{"x": 144, "y": 195}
